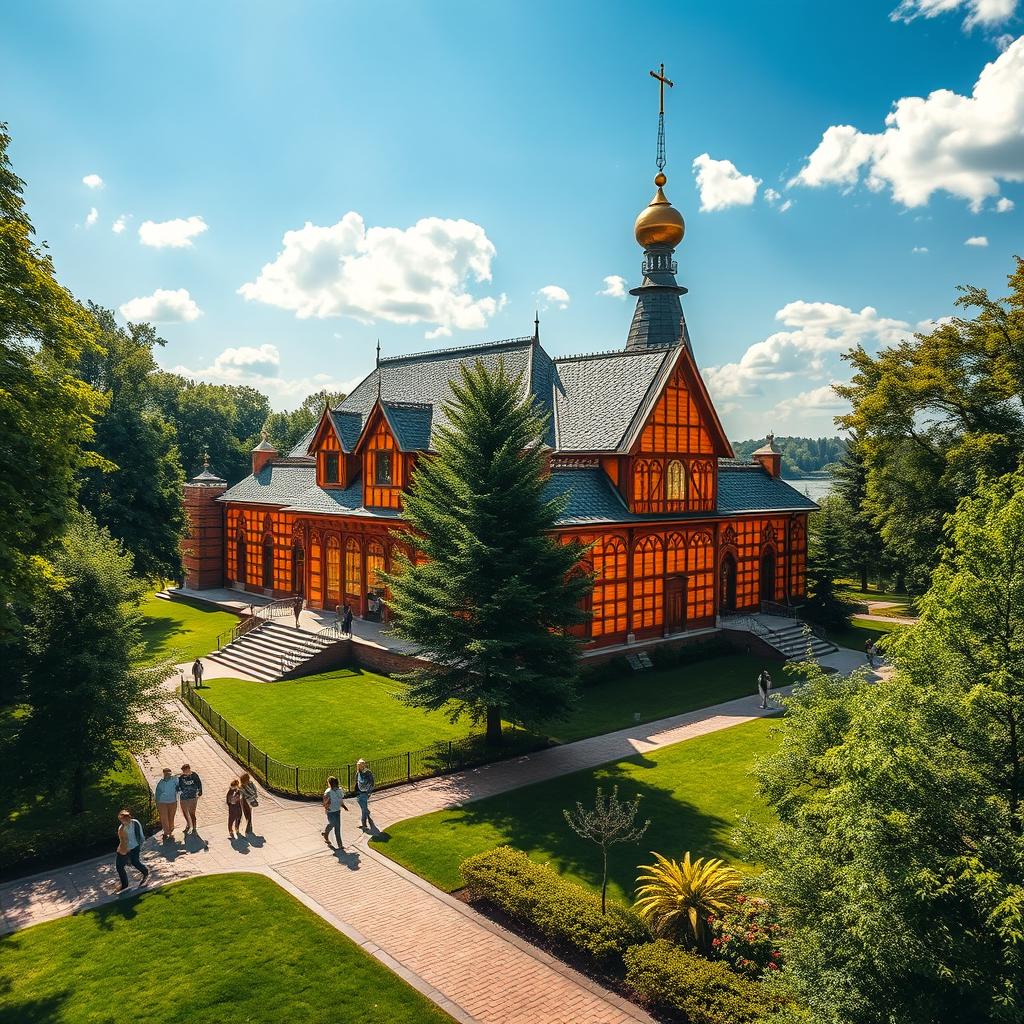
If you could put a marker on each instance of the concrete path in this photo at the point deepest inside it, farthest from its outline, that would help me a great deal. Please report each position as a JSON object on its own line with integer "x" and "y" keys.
{"x": 475, "y": 970}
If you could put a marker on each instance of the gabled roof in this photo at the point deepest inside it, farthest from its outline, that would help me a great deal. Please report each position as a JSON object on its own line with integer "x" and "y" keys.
{"x": 410, "y": 424}
{"x": 348, "y": 426}
{"x": 597, "y": 396}
{"x": 750, "y": 488}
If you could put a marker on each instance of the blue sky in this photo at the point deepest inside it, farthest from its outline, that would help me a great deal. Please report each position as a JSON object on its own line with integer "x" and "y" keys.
{"x": 460, "y": 163}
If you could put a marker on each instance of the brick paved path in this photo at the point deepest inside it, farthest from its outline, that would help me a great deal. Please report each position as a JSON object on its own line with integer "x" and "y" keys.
{"x": 474, "y": 969}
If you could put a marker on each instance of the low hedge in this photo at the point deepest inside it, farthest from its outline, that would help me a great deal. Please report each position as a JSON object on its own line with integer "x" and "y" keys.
{"x": 686, "y": 987}
{"x": 564, "y": 913}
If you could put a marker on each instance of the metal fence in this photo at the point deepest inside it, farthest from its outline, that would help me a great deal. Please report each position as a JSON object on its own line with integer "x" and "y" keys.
{"x": 388, "y": 770}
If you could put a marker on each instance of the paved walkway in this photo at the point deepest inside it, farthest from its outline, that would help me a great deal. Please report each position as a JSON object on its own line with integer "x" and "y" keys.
{"x": 475, "y": 970}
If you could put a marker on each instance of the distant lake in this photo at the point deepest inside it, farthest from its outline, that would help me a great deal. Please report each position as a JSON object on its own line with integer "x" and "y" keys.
{"x": 814, "y": 489}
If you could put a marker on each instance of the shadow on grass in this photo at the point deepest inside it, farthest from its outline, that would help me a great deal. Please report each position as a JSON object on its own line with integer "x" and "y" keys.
{"x": 34, "y": 1011}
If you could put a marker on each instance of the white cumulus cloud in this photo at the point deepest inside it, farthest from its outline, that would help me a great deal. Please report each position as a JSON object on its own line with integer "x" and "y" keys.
{"x": 979, "y": 241}
{"x": 963, "y": 145}
{"x": 722, "y": 185}
{"x": 259, "y": 366}
{"x": 91, "y": 217}
{"x": 162, "y": 307}
{"x": 1004, "y": 205}
{"x": 986, "y": 13}
{"x": 614, "y": 286}
{"x": 920, "y": 249}
{"x": 817, "y": 330}
{"x": 119, "y": 225}
{"x": 810, "y": 404}
{"x": 414, "y": 275}
{"x": 92, "y": 181}
{"x": 553, "y": 295}
{"x": 171, "y": 234}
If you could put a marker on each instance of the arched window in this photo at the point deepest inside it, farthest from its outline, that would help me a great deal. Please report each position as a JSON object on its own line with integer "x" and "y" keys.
{"x": 241, "y": 557}
{"x": 268, "y": 562}
{"x": 648, "y": 583}
{"x": 702, "y": 486}
{"x": 675, "y": 554}
{"x": 298, "y": 567}
{"x": 353, "y": 569}
{"x": 647, "y": 486}
{"x": 333, "y": 572}
{"x": 610, "y": 573}
{"x": 700, "y": 567}
{"x": 374, "y": 566}
{"x": 797, "y": 559}
{"x": 768, "y": 588}
{"x": 675, "y": 482}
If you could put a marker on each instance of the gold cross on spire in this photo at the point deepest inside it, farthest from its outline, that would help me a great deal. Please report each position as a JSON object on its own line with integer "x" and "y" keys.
{"x": 662, "y": 82}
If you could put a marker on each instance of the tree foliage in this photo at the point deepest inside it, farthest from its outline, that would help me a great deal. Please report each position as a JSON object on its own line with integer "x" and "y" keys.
{"x": 828, "y": 546}
{"x": 46, "y": 410}
{"x": 495, "y": 594}
{"x": 135, "y": 489}
{"x": 90, "y": 693}
{"x": 934, "y": 412}
{"x": 800, "y": 455}
{"x": 897, "y": 850}
{"x": 287, "y": 428}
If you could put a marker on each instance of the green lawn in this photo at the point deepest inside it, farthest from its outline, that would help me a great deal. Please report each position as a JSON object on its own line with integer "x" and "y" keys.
{"x": 36, "y": 830}
{"x": 330, "y": 718}
{"x": 181, "y": 630}
{"x": 338, "y": 716}
{"x": 227, "y": 948}
{"x": 856, "y": 634}
{"x": 693, "y": 792}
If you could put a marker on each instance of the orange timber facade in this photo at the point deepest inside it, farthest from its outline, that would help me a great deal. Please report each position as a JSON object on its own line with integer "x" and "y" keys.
{"x": 679, "y": 531}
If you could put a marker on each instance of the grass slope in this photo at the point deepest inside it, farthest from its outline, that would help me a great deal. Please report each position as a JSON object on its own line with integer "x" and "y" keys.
{"x": 693, "y": 792}
{"x": 181, "y": 630}
{"x": 227, "y": 948}
{"x": 36, "y": 830}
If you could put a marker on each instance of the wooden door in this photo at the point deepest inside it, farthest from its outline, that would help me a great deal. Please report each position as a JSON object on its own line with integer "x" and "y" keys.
{"x": 675, "y": 604}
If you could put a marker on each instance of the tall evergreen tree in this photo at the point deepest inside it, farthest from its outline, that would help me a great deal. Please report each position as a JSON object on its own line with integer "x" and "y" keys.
{"x": 493, "y": 599}
{"x": 827, "y": 546}
{"x": 136, "y": 492}
{"x": 863, "y": 541}
{"x": 46, "y": 410}
{"x": 89, "y": 692}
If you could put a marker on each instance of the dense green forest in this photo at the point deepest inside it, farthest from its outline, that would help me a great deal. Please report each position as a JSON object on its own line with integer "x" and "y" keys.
{"x": 800, "y": 455}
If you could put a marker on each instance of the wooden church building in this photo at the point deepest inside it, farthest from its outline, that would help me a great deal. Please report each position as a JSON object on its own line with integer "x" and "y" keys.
{"x": 679, "y": 530}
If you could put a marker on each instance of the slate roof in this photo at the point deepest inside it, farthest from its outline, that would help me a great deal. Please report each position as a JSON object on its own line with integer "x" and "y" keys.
{"x": 349, "y": 426}
{"x": 597, "y": 397}
{"x": 410, "y": 422}
{"x": 274, "y": 484}
{"x": 748, "y": 488}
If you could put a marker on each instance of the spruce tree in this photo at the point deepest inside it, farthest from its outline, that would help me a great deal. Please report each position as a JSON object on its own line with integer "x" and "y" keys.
{"x": 827, "y": 546}
{"x": 491, "y": 600}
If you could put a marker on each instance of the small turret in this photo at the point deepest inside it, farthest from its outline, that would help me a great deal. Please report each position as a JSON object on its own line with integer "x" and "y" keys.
{"x": 263, "y": 453}
{"x": 202, "y": 549}
{"x": 770, "y": 456}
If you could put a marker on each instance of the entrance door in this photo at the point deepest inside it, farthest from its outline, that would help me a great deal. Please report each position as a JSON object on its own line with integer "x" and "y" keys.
{"x": 298, "y": 570}
{"x": 242, "y": 559}
{"x": 675, "y": 604}
{"x": 768, "y": 576}
{"x": 727, "y": 591}
{"x": 268, "y": 564}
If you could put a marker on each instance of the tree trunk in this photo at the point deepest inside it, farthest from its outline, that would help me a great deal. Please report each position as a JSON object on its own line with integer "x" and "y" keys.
{"x": 604, "y": 878}
{"x": 493, "y": 738}
{"x": 864, "y": 576}
{"x": 77, "y": 789}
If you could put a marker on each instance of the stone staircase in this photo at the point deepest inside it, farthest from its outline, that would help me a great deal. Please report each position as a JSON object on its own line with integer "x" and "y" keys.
{"x": 790, "y": 637}
{"x": 272, "y": 651}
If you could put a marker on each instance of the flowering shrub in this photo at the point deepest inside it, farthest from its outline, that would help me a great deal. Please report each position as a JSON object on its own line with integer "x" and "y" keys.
{"x": 748, "y": 937}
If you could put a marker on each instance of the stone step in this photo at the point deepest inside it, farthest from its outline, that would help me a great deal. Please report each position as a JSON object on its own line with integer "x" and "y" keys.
{"x": 304, "y": 645}
{"x": 259, "y": 653}
{"x": 240, "y": 661}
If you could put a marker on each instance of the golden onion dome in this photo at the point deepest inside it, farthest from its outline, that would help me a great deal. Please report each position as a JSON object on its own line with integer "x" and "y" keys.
{"x": 660, "y": 223}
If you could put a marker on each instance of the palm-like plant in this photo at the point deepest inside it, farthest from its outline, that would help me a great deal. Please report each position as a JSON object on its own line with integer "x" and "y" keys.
{"x": 677, "y": 897}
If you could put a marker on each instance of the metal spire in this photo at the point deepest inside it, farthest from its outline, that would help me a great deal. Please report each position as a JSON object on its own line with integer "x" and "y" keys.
{"x": 378, "y": 369}
{"x": 536, "y": 326}
{"x": 662, "y": 82}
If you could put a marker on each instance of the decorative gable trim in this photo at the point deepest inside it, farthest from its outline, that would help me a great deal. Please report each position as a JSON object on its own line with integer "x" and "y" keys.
{"x": 326, "y": 422}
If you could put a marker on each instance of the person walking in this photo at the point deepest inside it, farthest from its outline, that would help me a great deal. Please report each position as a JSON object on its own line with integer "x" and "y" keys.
{"x": 364, "y": 787}
{"x": 233, "y": 799}
{"x": 190, "y": 789}
{"x": 764, "y": 686}
{"x": 197, "y": 673}
{"x": 334, "y": 804}
{"x": 250, "y": 798}
{"x": 346, "y": 622}
{"x": 129, "y": 847}
{"x": 167, "y": 803}
{"x": 869, "y": 652}
{"x": 297, "y": 609}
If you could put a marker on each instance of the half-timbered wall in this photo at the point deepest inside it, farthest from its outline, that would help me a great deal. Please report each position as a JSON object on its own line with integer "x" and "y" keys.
{"x": 673, "y": 484}
{"x": 798, "y": 558}
{"x": 381, "y": 451}
{"x": 676, "y": 424}
{"x": 331, "y": 464}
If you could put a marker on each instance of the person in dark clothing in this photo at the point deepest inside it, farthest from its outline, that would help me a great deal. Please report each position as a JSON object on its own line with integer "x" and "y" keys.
{"x": 334, "y": 804}
{"x": 297, "y": 609}
{"x": 197, "y": 673}
{"x": 364, "y": 787}
{"x": 190, "y": 789}
{"x": 129, "y": 846}
{"x": 764, "y": 686}
{"x": 346, "y": 622}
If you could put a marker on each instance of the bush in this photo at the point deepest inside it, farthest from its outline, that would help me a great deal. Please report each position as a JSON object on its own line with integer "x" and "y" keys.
{"x": 563, "y": 912}
{"x": 689, "y": 988}
{"x": 748, "y": 937}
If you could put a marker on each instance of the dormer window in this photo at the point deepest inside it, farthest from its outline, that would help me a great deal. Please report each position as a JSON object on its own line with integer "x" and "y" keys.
{"x": 331, "y": 468}
{"x": 382, "y": 469}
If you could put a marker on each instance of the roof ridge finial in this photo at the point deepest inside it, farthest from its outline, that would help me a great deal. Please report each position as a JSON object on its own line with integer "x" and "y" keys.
{"x": 206, "y": 457}
{"x": 378, "y": 369}
{"x": 536, "y": 326}
{"x": 659, "y": 76}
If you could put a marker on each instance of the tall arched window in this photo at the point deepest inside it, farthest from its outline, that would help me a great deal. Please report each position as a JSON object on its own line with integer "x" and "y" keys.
{"x": 700, "y": 566}
{"x": 648, "y": 583}
{"x": 675, "y": 482}
{"x": 353, "y": 569}
{"x": 610, "y": 574}
{"x": 241, "y": 557}
{"x": 374, "y": 565}
{"x": 333, "y": 572}
{"x": 675, "y": 554}
{"x": 268, "y": 562}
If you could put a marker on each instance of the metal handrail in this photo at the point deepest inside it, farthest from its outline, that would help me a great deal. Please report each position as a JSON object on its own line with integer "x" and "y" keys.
{"x": 334, "y": 630}
{"x": 260, "y": 614}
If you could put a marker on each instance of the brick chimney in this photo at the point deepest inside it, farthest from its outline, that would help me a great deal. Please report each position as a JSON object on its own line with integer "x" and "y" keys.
{"x": 770, "y": 456}
{"x": 263, "y": 453}
{"x": 202, "y": 550}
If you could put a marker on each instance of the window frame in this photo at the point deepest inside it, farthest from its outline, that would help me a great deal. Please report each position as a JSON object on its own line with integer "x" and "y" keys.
{"x": 383, "y": 456}
{"x": 332, "y": 459}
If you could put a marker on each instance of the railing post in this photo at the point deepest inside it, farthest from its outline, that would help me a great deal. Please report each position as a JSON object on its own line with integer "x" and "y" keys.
{"x": 296, "y": 780}
{"x": 408, "y": 766}
{"x": 248, "y": 752}
{"x": 266, "y": 766}
{"x": 348, "y": 777}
